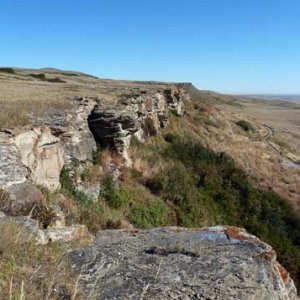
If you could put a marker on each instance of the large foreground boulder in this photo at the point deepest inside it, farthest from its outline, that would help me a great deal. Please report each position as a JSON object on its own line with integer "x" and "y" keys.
{"x": 176, "y": 263}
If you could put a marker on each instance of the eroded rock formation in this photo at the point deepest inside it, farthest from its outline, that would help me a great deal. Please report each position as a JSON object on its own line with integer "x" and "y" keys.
{"x": 176, "y": 263}
{"x": 36, "y": 154}
{"x": 31, "y": 229}
{"x": 39, "y": 154}
{"x": 140, "y": 114}
{"x": 12, "y": 171}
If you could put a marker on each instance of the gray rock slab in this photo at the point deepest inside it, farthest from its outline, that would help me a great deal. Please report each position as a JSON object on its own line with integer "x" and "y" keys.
{"x": 176, "y": 263}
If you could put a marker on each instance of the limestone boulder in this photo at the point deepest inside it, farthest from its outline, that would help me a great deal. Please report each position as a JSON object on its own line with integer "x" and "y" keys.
{"x": 177, "y": 263}
{"x": 42, "y": 154}
{"x": 30, "y": 229}
{"x": 22, "y": 198}
{"x": 78, "y": 233}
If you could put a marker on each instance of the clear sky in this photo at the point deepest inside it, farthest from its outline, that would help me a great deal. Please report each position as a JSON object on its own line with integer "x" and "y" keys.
{"x": 233, "y": 46}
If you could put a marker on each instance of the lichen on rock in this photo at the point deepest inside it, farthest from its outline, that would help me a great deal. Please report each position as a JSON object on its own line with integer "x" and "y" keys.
{"x": 179, "y": 263}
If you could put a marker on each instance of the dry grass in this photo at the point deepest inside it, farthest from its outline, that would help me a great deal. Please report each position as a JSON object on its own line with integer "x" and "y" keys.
{"x": 283, "y": 117}
{"x": 92, "y": 173}
{"x": 21, "y": 95}
{"x": 28, "y": 271}
{"x": 249, "y": 150}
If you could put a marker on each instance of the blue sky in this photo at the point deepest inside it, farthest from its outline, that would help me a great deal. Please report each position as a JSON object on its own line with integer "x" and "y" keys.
{"x": 232, "y": 46}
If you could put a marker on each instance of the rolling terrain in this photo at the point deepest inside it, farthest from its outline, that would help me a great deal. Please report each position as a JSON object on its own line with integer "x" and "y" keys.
{"x": 81, "y": 154}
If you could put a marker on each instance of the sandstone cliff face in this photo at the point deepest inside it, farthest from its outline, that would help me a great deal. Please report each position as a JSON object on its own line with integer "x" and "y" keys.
{"x": 36, "y": 154}
{"x": 176, "y": 263}
{"x": 141, "y": 114}
{"x": 39, "y": 154}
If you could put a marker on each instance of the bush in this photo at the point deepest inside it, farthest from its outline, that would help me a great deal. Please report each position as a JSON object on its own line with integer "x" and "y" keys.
{"x": 41, "y": 76}
{"x": 209, "y": 188}
{"x": 56, "y": 80}
{"x": 246, "y": 126}
{"x": 65, "y": 181}
{"x": 7, "y": 70}
{"x": 114, "y": 197}
{"x": 98, "y": 214}
{"x": 174, "y": 112}
{"x": 153, "y": 214}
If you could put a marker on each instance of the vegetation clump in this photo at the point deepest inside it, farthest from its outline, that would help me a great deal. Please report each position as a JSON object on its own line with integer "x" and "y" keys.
{"x": 246, "y": 126}
{"x": 205, "y": 188}
{"x": 115, "y": 198}
{"x": 30, "y": 271}
{"x": 7, "y": 70}
{"x": 154, "y": 214}
{"x": 42, "y": 77}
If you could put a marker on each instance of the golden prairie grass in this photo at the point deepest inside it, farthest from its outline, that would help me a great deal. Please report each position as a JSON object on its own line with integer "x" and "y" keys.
{"x": 250, "y": 151}
{"x": 30, "y": 271}
{"x": 21, "y": 98}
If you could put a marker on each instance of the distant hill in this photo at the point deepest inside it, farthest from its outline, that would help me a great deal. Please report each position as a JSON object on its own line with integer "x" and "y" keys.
{"x": 290, "y": 98}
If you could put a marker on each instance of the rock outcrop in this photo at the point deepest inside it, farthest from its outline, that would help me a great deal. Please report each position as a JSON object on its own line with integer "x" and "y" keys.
{"x": 35, "y": 153}
{"x": 12, "y": 171}
{"x": 140, "y": 114}
{"x": 39, "y": 154}
{"x": 72, "y": 128}
{"x": 21, "y": 198}
{"x": 30, "y": 228}
{"x": 176, "y": 263}
{"x": 42, "y": 154}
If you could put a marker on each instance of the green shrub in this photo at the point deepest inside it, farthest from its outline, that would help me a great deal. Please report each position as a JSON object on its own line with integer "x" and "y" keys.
{"x": 114, "y": 197}
{"x": 66, "y": 181}
{"x": 94, "y": 215}
{"x": 208, "y": 187}
{"x": 40, "y": 76}
{"x": 56, "y": 80}
{"x": 153, "y": 214}
{"x": 7, "y": 70}
{"x": 174, "y": 112}
{"x": 246, "y": 126}
{"x": 96, "y": 157}
{"x": 170, "y": 137}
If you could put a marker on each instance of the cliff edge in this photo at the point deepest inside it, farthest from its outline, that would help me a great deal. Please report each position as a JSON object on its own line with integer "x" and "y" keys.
{"x": 177, "y": 263}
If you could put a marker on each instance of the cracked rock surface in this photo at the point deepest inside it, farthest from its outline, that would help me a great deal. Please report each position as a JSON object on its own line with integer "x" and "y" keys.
{"x": 176, "y": 263}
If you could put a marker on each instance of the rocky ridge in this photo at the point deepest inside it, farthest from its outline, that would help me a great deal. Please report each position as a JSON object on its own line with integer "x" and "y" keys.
{"x": 141, "y": 114}
{"x": 40, "y": 153}
{"x": 170, "y": 263}
{"x": 31, "y": 157}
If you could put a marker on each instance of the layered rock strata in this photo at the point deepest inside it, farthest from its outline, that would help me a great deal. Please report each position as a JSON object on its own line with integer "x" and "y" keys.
{"x": 140, "y": 114}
